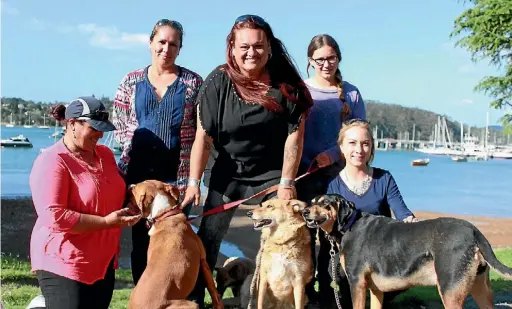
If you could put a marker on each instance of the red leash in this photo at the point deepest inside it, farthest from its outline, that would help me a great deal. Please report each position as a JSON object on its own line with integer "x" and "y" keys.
{"x": 230, "y": 205}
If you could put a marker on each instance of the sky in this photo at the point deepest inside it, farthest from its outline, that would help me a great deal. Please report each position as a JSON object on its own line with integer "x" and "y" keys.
{"x": 396, "y": 51}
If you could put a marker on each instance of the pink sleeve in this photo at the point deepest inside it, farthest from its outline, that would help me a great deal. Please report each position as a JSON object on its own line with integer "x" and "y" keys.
{"x": 49, "y": 183}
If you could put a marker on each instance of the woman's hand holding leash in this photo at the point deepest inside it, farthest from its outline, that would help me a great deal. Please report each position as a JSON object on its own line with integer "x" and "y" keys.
{"x": 411, "y": 219}
{"x": 193, "y": 193}
{"x": 323, "y": 160}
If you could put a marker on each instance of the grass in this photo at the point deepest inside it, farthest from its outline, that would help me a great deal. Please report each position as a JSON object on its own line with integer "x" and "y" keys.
{"x": 19, "y": 286}
{"x": 431, "y": 296}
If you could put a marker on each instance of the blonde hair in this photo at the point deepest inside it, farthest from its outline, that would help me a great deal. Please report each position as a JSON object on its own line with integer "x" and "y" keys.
{"x": 362, "y": 124}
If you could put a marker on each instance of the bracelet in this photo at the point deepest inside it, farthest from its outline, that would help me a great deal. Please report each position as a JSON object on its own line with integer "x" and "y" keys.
{"x": 287, "y": 183}
{"x": 193, "y": 182}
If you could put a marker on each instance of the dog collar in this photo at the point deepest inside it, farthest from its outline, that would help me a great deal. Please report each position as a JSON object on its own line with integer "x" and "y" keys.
{"x": 351, "y": 220}
{"x": 171, "y": 212}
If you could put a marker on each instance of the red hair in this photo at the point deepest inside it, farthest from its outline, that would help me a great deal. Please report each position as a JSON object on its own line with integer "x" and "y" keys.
{"x": 283, "y": 73}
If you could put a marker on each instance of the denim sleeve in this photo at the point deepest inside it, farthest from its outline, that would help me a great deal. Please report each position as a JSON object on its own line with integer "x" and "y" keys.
{"x": 395, "y": 200}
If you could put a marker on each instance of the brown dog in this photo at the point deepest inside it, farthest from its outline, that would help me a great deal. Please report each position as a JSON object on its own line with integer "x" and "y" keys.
{"x": 175, "y": 253}
{"x": 286, "y": 265}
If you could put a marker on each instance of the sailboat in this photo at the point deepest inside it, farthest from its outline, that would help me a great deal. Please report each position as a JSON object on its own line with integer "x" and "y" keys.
{"x": 11, "y": 124}
{"x": 28, "y": 125}
{"x": 44, "y": 126}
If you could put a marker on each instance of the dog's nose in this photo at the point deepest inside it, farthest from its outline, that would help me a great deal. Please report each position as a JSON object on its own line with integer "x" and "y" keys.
{"x": 305, "y": 212}
{"x": 249, "y": 214}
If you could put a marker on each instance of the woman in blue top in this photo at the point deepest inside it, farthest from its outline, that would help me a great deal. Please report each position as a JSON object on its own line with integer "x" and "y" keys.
{"x": 372, "y": 190}
{"x": 155, "y": 117}
{"x": 335, "y": 101}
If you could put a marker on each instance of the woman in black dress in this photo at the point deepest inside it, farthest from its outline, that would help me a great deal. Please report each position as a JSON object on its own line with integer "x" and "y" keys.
{"x": 250, "y": 131}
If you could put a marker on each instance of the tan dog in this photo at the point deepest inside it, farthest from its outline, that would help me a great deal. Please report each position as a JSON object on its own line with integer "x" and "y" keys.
{"x": 175, "y": 253}
{"x": 286, "y": 265}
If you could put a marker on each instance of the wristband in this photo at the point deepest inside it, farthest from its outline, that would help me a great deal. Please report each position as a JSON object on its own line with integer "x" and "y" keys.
{"x": 193, "y": 182}
{"x": 287, "y": 182}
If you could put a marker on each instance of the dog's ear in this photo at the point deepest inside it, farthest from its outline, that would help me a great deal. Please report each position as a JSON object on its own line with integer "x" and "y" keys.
{"x": 345, "y": 209}
{"x": 298, "y": 206}
{"x": 144, "y": 202}
{"x": 317, "y": 199}
{"x": 173, "y": 191}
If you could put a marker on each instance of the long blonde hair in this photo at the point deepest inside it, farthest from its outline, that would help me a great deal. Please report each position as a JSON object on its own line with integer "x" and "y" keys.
{"x": 362, "y": 124}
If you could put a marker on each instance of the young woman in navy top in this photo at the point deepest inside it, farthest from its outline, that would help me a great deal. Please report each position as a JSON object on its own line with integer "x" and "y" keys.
{"x": 373, "y": 190}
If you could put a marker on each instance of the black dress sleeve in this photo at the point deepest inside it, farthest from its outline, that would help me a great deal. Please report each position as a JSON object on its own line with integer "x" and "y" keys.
{"x": 208, "y": 102}
{"x": 295, "y": 109}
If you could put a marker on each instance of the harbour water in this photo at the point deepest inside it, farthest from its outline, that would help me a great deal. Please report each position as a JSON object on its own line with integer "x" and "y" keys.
{"x": 480, "y": 188}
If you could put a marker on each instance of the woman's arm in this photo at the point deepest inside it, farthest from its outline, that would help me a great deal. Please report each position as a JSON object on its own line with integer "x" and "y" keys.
{"x": 49, "y": 183}
{"x": 122, "y": 110}
{"x": 201, "y": 149}
{"x": 359, "y": 108}
{"x": 396, "y": 202}
{"x": 200, "y": 152}
{"x": 292, "y": 155}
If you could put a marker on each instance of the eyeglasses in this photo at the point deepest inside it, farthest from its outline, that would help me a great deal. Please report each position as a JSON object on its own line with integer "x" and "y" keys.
{"x": 330, "y": 60}
{"x": 251, "y": 18}
{"x": 167, "y": 22}
{"x": 97, "y": 115}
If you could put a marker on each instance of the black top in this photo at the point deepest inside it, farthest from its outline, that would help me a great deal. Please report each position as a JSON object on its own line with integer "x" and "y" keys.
{"x": 248, "y": 138}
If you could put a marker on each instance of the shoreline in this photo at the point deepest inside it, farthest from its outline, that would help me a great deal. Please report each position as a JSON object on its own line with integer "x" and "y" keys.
{"x": 16, "y": 227}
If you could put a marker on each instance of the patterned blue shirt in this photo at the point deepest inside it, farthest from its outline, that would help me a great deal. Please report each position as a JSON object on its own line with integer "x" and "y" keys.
{"x": 156, "y": 141}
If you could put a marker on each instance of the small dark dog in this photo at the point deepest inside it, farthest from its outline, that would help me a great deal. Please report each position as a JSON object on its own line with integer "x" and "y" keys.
{"x": 233, "y": 274}
{"x": 384, "y": 254}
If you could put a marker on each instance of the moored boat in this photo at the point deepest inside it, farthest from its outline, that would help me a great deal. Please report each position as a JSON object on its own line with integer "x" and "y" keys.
{"x": 420, "y": 162}
{"x": 17, "y": 141}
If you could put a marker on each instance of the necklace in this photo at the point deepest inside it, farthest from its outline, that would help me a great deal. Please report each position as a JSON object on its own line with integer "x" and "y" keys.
{"x": 84, "y": 163}
{"x": 358, "y": 188}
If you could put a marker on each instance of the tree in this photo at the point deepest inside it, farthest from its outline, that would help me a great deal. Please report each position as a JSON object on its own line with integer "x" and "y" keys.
{"x": 486, "y": 30}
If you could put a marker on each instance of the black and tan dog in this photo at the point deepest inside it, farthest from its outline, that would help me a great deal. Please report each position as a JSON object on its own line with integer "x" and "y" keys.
{"x": 384, "y": 254}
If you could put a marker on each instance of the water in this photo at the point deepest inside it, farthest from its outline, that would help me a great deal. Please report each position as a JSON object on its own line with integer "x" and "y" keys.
{"x": 480, "y": 188}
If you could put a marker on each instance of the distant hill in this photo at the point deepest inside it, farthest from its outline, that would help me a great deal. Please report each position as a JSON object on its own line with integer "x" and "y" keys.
{"x": 496, "y": 128}
{"x": 391, "y": 120}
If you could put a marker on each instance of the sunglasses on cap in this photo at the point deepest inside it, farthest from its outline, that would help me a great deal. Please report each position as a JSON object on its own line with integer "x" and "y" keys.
{"x": 251, "y": 18}
{"x": 172, "y": 23}
{"x": 356, "y": 120}
{"x": 97, "y": 115}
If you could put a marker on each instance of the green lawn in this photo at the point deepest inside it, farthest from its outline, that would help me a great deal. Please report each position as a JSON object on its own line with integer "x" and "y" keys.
{"x": 19, "y": 286}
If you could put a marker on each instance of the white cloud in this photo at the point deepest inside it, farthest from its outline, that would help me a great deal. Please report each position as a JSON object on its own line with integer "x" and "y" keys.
{"x": 466, "y": 101}
{"x": 111, "y": 37}
{"x": 98, "y": 36}
{"x": 8, "y": 9}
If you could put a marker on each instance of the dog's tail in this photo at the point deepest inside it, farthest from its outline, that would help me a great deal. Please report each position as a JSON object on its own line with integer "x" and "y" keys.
{"x": 490, "y": 257}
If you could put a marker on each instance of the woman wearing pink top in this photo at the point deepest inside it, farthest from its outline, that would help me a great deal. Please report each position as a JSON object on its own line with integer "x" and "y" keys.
{"x": 78, "y": 195}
